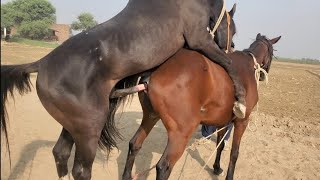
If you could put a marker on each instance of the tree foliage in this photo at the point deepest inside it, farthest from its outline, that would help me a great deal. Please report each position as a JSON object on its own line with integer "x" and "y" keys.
{"x": 34, "y": 29}
{"x": 27, "y": 16}
{"x": 7, "y": 15}
{"x": 84, "y": 21}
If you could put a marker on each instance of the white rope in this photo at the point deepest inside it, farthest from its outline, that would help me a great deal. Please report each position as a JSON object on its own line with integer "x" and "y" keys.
{"x": 212, "y": 153}
{"x": 258, "y": 70}
{"x": 204, "y": 140}
{"x": 191, "y": 147}
{"x": 211, "y": 32}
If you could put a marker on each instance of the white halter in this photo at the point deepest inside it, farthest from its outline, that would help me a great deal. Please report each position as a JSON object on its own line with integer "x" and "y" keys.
{"x": 258, "y": 69}
{"x": 211, "y": 32}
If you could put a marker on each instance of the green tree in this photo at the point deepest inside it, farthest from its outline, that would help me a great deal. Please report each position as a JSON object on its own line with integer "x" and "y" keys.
{"x": 34, "y": 29}
{"x": 7, "y": 16}
{"x": 27, "y": 13}
{"x": 85, "y": 21}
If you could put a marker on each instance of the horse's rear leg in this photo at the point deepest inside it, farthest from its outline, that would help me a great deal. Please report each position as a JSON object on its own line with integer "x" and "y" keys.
{"x": 62, "y": 151}
{"x": 86, "y": 139}
{"x": 150, "y": 118}
{"x": 86, "y": 147}
{"x": 239, "y": 128}
{"x": 216, "y": 166}
{"x": 177, "y": 142}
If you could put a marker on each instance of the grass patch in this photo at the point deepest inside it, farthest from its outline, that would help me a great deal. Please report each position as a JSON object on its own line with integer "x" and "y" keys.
{"x": 300, "y": 61}
{"x": 34, "y": 42}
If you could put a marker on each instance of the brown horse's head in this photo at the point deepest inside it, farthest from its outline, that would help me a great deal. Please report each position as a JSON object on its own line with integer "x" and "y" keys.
{"x": 262, "y": 48}
{"x": 226, "y": 31}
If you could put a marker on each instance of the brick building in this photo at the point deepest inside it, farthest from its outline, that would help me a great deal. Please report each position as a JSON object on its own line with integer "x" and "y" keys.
{"x": 61, "y": 32}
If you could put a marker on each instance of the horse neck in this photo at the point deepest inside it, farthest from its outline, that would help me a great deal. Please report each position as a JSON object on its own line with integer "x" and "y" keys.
{"x": 243, "y": 63}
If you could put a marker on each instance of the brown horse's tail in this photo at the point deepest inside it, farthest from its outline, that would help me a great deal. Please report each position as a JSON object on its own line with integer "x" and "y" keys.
{"x": 110, "y": 133}
{"x": 14, "y": 77}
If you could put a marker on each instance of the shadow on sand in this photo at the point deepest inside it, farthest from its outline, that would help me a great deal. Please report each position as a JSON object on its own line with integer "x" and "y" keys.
{"x": 128, "y": 124}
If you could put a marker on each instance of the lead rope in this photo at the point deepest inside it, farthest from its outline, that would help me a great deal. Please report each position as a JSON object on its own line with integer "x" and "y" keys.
{"x": 257, "y": 72}
{"x": 228, "y": 42}
{"x": 211, "y": 32}
{"x": 258, "y": 69}
{"x": 214, "y": 150}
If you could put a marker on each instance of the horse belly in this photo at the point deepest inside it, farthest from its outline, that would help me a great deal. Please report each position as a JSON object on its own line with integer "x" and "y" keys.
{"x": 217, "y": 116}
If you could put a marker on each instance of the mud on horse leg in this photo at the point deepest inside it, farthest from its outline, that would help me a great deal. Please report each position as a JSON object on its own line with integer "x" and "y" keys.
{"x": 150, "y": 118}
{"x": 62, "y": 151}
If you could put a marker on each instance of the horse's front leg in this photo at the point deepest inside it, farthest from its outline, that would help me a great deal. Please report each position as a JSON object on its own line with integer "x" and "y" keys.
{"x": 62, "y": 151}
{"x": 150, "y": 118}
{"x": 239, "y": 128}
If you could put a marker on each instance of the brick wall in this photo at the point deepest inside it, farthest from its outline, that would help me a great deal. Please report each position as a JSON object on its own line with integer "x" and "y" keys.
{"x": 62, "y": 31}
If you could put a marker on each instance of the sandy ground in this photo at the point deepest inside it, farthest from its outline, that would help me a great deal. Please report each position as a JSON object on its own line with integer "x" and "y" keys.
{"x": 283, "y": 141}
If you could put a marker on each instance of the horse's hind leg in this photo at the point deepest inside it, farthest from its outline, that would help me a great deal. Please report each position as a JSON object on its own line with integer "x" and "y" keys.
{"x": 62, "y": 151}
{"x": 216, "y": 166}
{"x": 86, "y": 147}
{"x": 177, "y": 141}
{"x": 86, "y": 140}
{"x": 86, "y": 135}
{"x": 150, "y": 118}
{"x": 239, "y": 128}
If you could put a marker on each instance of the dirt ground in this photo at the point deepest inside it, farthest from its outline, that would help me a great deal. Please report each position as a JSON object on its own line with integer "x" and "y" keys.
{"x": 282, "y": 141}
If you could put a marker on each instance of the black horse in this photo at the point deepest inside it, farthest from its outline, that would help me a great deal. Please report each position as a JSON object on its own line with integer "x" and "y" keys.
{"x": 75, "y": 80}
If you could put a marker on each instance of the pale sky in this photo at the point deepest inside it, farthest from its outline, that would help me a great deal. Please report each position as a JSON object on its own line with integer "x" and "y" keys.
{"x": 297, "y": 21}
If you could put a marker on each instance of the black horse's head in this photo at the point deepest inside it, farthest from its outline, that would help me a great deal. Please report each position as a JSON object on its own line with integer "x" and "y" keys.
{"x": 263, "y": 48}
{"x": 226, "y": 30}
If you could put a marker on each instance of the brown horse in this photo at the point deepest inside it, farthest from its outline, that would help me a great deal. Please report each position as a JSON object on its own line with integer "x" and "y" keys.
{"x": 189, "y": 90}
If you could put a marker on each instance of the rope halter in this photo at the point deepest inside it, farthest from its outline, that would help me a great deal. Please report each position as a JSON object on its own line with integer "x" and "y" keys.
{"x": 211, "y": 32}
{"x": 258, "y": 70}
{"x": 228, "y": 40}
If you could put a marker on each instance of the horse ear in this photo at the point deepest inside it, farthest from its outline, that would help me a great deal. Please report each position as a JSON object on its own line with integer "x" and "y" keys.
{"x": 233, "y": 10}
{"x": 258, "y": 36}
{"x": 275, "y": 40}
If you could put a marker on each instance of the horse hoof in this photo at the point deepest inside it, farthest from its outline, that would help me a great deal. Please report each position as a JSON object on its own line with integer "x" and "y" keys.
{"x": 239, "y": 110}
{"x": 217, "y": 171}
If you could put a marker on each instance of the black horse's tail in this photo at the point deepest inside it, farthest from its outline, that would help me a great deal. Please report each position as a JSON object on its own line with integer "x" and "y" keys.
{"x": 110, "y": 133}
{"x": 14, "y": 77}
